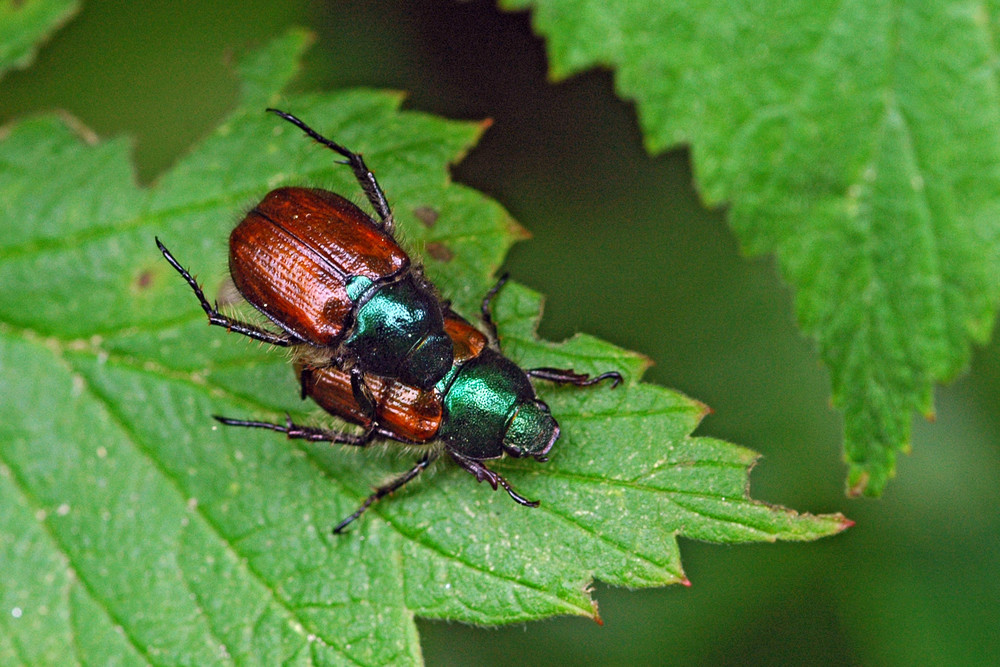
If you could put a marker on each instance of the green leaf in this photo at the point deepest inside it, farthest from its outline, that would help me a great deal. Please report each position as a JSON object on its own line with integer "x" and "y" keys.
{"x": 859, "y": 142}
{"x": 24, "y": 23}
{"x": 137, "y": 530}
{"x": 265, "y": 74}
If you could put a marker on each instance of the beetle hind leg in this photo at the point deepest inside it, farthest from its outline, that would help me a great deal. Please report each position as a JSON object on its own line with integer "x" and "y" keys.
{"x": 387, "y": 489}
{"x": 296, "y": 432}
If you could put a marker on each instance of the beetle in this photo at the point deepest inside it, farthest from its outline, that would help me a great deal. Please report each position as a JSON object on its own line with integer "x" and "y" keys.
{"x": 334, "y": 279}
{"x": 484, "y": 408}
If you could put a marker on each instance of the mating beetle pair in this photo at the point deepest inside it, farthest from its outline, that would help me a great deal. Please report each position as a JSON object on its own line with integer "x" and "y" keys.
{"x": 385, "y": 353}
{"x": 485, "y": 407}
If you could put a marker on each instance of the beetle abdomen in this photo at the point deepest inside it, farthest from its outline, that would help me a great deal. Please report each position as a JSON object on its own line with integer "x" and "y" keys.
{"x": 408, "y": 413}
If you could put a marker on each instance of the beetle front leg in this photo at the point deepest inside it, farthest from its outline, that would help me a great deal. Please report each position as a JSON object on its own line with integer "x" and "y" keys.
{"x": 218, "y": 319}
{"x": 297, "y": 432}
{"x": 484, "y": 474}
{"x": 568, "y": 376}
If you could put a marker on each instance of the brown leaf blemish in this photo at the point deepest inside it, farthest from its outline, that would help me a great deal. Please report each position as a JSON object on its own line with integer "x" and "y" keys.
{"x": 427, "y": 215}
{"x": 440, "y": 251}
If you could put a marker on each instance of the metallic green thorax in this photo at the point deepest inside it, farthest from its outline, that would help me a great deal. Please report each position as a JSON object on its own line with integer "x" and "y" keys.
{"x": 490, "y": 408}
{"x": 398, "y": 331}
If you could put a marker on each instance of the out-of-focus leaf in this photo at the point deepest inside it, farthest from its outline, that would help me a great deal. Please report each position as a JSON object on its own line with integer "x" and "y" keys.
{"x": 858, "y": 141}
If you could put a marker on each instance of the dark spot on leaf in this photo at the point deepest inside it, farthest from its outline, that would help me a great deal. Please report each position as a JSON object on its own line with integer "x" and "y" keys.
{"x": 440, "y": 252}
{"x": 144, "y": 280}
{"x": 426, "y": 215}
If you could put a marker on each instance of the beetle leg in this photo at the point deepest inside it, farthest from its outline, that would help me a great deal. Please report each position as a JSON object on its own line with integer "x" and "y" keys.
{"x": 366, "y": 179}
{"x": 297, "y": 432}
{"x": 568, "y": 376}
{"x": 362, "y": 396}
{"x": 559, "y": 376}
{"x": 485, "y": 307}
{"x": 387, "y": 489}
{"x": 218, "y": 319}
{"x": 484, "y": 474}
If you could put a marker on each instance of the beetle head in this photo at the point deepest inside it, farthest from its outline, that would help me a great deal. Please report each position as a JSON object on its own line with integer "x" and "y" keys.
{"x": 531, "y": 431}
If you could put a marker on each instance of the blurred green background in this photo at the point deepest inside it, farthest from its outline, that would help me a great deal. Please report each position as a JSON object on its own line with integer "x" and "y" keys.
{"x": 622, "y": 249}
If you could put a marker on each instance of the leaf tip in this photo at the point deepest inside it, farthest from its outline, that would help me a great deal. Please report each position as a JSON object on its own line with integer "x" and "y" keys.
{"x": 515, "y": 229}
{"x": 858, "y": 484}
{"x": 597, "y": 616}
{"x": 867, "y": 477}
{"x": 595, "y": 613}
{"x": 646, "y": 362}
